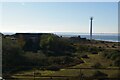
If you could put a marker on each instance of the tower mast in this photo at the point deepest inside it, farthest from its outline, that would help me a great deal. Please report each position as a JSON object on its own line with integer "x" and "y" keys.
{"x": 91, "y": 18}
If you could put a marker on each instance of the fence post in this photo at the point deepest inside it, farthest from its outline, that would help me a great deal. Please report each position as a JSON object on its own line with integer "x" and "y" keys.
{"x": 34, "y": 74}
{"x": 81, "y": 74}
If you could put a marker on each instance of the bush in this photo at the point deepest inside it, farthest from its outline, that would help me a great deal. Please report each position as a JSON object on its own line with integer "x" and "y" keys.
{"x": 12, "y": 56}
{"x": 94, "y": 52}
{"x": 99, "y": 74}
{"x": 95, "y": 49}
{"x": 115, "y": 75}
{"x": 84, "y": 56}
{"x": 111, "y": 54}
{"x": 82, "y": 48}
{"x": 35, "y": 59}
{"x": 97, "y": 65}
{"x": 104, "y": 54}
{"x": 117, "y": 62}
{"x": 53, "y": 68}
{"x": 115, "y": 55}
{"x": 56, "y": 45}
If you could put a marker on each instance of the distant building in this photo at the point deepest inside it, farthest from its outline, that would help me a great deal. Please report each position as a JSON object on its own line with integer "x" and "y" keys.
{"x": 13, "y": 38}
{"x": 31, "y": 41}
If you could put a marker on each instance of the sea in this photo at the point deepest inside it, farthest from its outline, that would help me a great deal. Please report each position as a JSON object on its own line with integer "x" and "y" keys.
{"x": 111, "y": 37}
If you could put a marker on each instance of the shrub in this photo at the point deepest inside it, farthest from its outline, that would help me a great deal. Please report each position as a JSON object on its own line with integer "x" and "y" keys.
{"x": 117, "y": 62}
{"x": 53, "y": 68}
{"x": 94, "y": 52}
{"x": 96, "y": 65}
{"x": 113, "y": 46}
{"x": 84, "y": 56}
{"x": 94, "y": 49}
{"x": 99, "y": 74}
{"x": 115, "y": 75}
{"x": 55, "y": 44}
{"x": 82, "y": 48}
{"x": 110, "y": 64}
{"x": 109, "y": 55}
{"x": 115, "y": 56}
{"x": 104, "y": 54}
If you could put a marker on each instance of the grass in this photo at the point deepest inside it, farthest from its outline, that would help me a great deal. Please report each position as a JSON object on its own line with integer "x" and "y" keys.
{"x": 93, "y": 58}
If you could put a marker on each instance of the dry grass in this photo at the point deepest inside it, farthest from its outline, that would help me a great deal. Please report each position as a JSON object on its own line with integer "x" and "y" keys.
{"x": 93, "y": 58}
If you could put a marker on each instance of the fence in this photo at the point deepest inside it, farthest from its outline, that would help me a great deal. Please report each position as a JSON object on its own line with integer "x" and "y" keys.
{"x": 80, "y": 76}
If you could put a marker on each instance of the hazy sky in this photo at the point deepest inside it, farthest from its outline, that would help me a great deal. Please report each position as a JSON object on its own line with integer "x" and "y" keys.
{"x": 58, "y": 17}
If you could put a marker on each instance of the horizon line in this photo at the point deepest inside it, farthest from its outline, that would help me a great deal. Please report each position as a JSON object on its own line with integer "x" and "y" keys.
{"x": 63, "y": 32}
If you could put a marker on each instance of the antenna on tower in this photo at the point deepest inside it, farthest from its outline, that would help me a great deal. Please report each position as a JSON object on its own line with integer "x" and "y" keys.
{"x": 91, "y": 18}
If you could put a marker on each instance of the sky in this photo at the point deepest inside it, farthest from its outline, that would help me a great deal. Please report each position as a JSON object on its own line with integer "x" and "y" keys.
{"x": 58, "y": 17}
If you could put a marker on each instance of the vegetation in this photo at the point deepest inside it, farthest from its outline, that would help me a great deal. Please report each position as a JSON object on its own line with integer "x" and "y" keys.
{"x": 113, "y": 55}
{"x": 53, "y": 45}
{"x": 100, "y": 75}
{"x": 53, "y": 53}
{"x": 97, "y": 65}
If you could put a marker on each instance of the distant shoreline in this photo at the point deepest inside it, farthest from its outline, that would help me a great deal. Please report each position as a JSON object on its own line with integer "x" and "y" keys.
{"x": 103, "y": 37}
{"x": 110, "y": 37}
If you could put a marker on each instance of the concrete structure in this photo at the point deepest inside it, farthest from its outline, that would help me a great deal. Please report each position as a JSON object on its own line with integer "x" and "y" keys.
{"x": 91, "y": 18}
